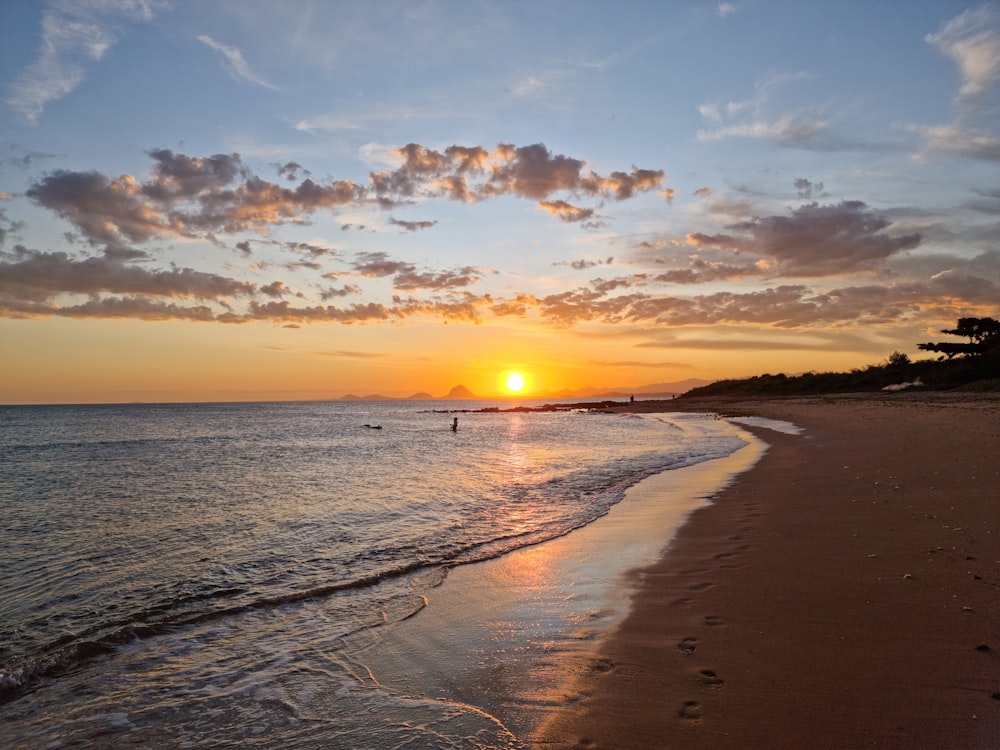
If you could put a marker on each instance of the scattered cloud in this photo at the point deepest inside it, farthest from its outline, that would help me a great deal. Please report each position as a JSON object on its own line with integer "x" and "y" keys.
{"x": 566, "y": 212}
{"x": 219, "y": 197}
{"x": 190, "y": 196}
{"x": 815, "y": 240}
{"x": 755, "y": 118}
{"x": 806, "y": 188}
{"x": 724, "y": 10}
{"x": 972, "y": 40}
{"x": 957, "y": 139}
{"x": 412, "y": 226}
{"x": 582, "y": 265}
{"x": 75, "y": 34}
{"x": 39, "y": 276}
{"x": 234, "y": 62}
{"x": 406, "y": 275}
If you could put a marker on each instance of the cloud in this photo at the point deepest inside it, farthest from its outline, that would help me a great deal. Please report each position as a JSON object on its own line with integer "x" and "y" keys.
{"x": 473, "y": 174}
{"x": 465, "y": 276}
{"x": 972, "y": 40}
{"x": 26, "y": 158}
{"x": 724, "y": 10}
{"x": 6, "y": 225}
{"x": 786, "y": 129}
{"x": 406, "y": 275}
{"x": 582, "y": 265}
{"x": 815, "y": 240}
{"x": 754, "y": 118}
{"x": 566, "y": 212}
{"x": 190, "y": 196}
{"x": 309, "y": 249}
{"x": 958, "y": 139}
{"x": 412, "y": 226}
{"x": 702, "y": 271}
{"x": 784, "y": 306}
{"x": 184, "y": 196}
{"x": 530, "y": 87}
{"x": 74, "y": 34}
{"x": 290, "y": 171}
{"x": 31, "y": 281}
{"x": 806, "y": 188}
{"x": 35, "y": 284}
{"x": 345, "y": 291}
{"x": 234, "y": 63}
{"x": 377, "y": 264}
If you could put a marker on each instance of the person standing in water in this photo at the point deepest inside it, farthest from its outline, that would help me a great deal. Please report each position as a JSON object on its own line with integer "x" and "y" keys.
{"x": 454, "y": 425}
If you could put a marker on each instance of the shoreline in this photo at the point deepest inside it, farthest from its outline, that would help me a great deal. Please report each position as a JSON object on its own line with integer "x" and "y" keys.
{"x": 506, "y": 636}
{"x": 844, "y": 592}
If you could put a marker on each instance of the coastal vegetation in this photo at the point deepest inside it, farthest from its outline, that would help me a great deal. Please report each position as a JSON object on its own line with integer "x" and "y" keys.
{"x": 973, "y": 365}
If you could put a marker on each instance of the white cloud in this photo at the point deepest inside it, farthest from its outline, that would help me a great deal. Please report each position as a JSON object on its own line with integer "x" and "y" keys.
{"x": 233, "y": 60}
{"x": 529, "y": 86}
{"x": 754, "y": 118}
{"x": 798, "y": 127}
{"x": 956, "y": 139}
{"x": 74, "y": 33}
{"x": 724, "y": 10}
{"x": 380, "y": 155}
{"x": 973, "y": 41}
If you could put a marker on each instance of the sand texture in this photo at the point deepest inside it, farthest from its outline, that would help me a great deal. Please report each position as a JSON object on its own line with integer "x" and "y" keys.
{"x": 844, "y": 593}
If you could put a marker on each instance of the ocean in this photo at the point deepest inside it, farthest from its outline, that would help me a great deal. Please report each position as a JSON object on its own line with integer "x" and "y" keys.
{"x": 282, "y": 575}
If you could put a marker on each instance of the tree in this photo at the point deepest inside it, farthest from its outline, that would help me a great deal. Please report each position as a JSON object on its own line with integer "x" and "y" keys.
{"x": 898, "y": 359}
{"x": 983, "y": 333}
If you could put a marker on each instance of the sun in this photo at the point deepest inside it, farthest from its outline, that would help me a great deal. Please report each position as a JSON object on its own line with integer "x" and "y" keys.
{"x": 514, "y": 381}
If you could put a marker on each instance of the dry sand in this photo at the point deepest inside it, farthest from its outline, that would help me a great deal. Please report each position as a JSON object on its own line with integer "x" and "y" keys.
{"x": 844, "y": 593}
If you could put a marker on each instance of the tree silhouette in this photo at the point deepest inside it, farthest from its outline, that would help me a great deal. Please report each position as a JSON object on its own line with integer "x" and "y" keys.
{"x": 983, "y": 335}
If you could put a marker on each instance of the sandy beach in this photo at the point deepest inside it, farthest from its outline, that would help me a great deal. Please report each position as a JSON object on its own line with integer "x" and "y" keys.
{"x": 844, "y": 593}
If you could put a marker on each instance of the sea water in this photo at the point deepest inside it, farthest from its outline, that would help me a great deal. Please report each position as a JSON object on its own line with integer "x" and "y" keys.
{"x": 212, "y": 575}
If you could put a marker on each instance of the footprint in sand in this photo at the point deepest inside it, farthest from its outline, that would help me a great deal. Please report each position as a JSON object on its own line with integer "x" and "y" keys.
{"x": 712, "y": 620}
{"x": 710, "y": 679}
{"x": 726, "y": 555}
{"x": 687, "y": 645}
{"x": 690, "y": 711}
{"x": 601, "y": 666}
{"x": 694, "y": 572}
{"x": 703, "y": 586}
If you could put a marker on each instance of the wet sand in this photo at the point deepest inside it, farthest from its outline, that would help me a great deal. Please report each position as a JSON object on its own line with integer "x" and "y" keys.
{"x": 505, "y": 637}
{"x": 844, "y": 593}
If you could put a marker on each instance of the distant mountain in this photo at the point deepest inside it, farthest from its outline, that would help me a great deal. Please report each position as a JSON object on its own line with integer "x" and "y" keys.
{"x": 459, "y": 392}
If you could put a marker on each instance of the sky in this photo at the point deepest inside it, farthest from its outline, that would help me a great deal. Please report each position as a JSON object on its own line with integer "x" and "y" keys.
{"x": 250, "y": 200}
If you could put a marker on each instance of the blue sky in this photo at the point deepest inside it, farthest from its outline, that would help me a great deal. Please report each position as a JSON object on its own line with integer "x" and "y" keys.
{"x": 401, "y": 196}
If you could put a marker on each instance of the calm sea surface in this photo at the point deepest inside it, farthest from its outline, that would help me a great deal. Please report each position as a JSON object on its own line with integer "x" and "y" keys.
{"x": 205, "y": 575}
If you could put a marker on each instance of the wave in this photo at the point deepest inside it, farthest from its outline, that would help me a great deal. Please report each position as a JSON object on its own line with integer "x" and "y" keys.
{"x": 519, "y": 515}
{"x": 60, "y": 656}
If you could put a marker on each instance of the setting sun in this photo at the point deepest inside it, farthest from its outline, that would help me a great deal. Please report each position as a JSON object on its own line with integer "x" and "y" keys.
{"x": 514, "y": 382}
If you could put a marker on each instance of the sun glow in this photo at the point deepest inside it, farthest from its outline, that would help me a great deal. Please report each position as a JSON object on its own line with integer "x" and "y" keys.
{"x": 514, "y": 381}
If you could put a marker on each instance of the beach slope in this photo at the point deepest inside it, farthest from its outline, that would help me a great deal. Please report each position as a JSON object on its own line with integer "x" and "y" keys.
{"x": 844, "y": 593}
